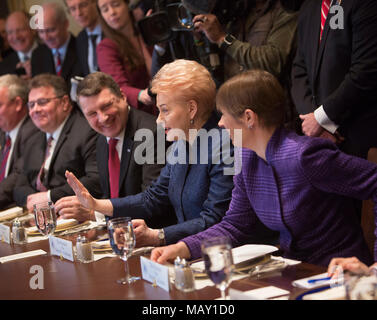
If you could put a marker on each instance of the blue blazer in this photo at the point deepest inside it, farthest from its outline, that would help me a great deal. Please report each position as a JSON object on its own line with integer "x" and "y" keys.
{"x": 199, "y": 193}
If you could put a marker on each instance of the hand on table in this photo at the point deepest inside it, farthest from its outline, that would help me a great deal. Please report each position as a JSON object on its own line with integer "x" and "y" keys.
{"x": 145, "y": 236}
{"x": 351, "y": 264}
{"x": 71, "y": 208}
{"x": 35, "y": 198}
{"x": 169, "y": 253}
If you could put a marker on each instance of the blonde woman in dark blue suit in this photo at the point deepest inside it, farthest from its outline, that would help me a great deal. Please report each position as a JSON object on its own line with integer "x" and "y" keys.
{"x": 198, "y": 191}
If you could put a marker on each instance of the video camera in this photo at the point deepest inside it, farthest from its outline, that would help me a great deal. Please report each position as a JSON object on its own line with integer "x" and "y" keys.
{"x": 171, "y": 16}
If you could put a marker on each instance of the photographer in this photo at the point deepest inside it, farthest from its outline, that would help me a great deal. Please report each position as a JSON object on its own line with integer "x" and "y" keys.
{"x": 250, "y": 34}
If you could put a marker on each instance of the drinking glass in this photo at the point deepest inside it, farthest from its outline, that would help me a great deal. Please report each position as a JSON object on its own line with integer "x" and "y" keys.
{"x": 218, "y": 262}
{"x": 45, "y": 217}
{"x": 123, "y": 241}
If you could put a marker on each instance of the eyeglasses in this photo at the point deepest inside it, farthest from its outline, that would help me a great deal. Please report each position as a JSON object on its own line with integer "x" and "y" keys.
{"x": 41, "y": 102}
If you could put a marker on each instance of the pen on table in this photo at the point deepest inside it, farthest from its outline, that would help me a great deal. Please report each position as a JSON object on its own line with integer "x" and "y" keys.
{"x": 319, "y": 279}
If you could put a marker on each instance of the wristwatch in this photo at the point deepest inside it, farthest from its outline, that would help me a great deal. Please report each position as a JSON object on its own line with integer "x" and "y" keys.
{"x": 161, "y": 236}
{"x": 227, "y": 42}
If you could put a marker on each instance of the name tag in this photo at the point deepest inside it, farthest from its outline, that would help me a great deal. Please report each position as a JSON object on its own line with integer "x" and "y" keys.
{"x": 5, "y": 233}
{"x": 62, "y": 248}
{"x": 155, "y": 273}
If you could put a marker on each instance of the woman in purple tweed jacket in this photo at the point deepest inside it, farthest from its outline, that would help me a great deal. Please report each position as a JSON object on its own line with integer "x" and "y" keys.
{"x": 297, "y": 185}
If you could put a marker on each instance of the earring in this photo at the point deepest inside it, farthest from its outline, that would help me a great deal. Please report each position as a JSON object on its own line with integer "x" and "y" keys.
{"x": 249, "y": 126}
{"x": 192, "y": 121}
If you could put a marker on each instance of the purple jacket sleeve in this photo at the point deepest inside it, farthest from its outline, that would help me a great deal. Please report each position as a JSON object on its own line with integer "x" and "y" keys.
{"x": 236, "y": 224}
{"x": 332, "y": 171}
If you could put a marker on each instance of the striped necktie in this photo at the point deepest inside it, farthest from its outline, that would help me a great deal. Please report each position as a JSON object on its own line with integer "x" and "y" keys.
{"x": 324, "y": 12}
{"x": 4, "y": 157}
{"x": 58, "y": 66}
{"x": 42, "y": 172}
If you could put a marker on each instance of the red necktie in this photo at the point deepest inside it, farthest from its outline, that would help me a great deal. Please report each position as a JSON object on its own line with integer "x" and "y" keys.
{"x": 58, "y": 64}
{"x": 41, "y": 174}
{"x": 324, "y": 12}
{"x": 114, "y": 168}
{"x": 4, "y": 157}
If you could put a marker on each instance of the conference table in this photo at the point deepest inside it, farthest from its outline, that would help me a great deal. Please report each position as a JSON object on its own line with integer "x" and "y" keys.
{"x": 66, "y": 280}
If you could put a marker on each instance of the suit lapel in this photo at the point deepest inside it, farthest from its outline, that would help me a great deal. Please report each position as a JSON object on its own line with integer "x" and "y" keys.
{"x": 62, "y": 138}
{"x": 128, "y": 144}
{"x": 125, "y": 161}
{"x": 70, "y": 58}
{"x": 103, "y": 156}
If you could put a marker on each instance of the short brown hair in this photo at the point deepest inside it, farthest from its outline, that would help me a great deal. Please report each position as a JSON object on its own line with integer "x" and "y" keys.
{"x": 257, "y": 90}
{"x": 95, "y": 82}
{"x": 50, "y": 80}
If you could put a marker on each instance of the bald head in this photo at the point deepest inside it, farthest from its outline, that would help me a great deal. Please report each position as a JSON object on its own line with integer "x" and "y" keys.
{"x": 55, "y": 25}
{"x": 19, "y": 34}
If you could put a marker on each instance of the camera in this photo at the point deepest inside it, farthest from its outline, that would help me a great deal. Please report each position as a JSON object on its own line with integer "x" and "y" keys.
{"x": 169, "y": 17}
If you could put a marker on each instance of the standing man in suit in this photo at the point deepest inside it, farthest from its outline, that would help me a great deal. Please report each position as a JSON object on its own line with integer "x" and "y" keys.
{"x": 334, "y": 77}
{"x": 66, "y": 142}
{"x": 16, "y": 131}
{"x": 22, "y": 40}
{"x": 107, "y": 111}
{"x": 86, "y": 15}
{"x": 58, "y": 55}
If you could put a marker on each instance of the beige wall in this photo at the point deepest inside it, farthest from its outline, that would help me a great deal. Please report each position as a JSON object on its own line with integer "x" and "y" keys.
{"x": 73, "y": 27}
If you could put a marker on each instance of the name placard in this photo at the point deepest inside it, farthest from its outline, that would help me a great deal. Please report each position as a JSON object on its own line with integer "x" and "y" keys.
{"x": 155, "y": 273}
{"x": 5, "y": 233}
{"x": 61, "y": 247}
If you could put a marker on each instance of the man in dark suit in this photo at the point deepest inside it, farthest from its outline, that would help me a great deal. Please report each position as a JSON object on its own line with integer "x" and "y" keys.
{"x": 58, "y": 55}
{"x": 16, "y": 131}
{"x": 334, "y": 77}
{"x": 86, "y": 15}
{"x": 66, "y": 143}
{"x": 121, "y": 173}
{"x": 22, "y": 40}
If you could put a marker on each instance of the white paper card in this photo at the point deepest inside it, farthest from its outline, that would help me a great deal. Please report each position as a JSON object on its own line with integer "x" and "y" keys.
{"x": 241, "y": 254}
{"x": 5, "y": 233}
{"x": 61, "y": 247}
{"x": 155, "y": 273}
{"x": 22, "y": 255}
{"x": 258, "y": 294}
{"x": 303, "y": 283}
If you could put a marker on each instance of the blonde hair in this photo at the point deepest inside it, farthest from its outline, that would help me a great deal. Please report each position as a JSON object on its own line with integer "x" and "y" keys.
{"x": 188, "y": 80}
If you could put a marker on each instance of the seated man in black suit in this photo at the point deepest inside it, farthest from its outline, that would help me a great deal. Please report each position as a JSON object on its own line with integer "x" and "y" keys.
{"x": 16, "y": 131}
{"x": 58, "y": 55}
{"x": 66, "y": 143}
{"x": 86, "y": 15}
{"x": 107, "y": 111}
{"x": 22, "y": 40}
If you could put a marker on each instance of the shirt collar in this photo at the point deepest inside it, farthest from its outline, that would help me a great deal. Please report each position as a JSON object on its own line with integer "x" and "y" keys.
{"x": 21, "y": 55}
{"x": 13, "y": 133}
{"x": 56, "y": 134}
{"x": 96, "y": 31}
{"x": 62, "y": 50}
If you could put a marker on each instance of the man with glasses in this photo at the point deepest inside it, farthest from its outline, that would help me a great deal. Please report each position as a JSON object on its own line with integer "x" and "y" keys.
{"x": 22, "y": 40}
{"x": 107, "y": 111}
{"x": 16, "y": 130}
{"x": 66, "y": 142}
{"x": 85, "y": 14}
{"x": 58, "y": 55}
